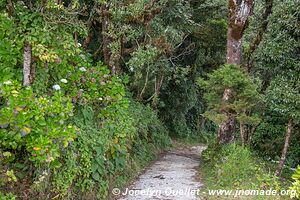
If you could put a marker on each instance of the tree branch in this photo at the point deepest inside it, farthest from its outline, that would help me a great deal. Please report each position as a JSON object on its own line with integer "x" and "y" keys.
{"x": 260, "y": 33}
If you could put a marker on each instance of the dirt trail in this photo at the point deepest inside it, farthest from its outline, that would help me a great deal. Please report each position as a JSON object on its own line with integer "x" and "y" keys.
{"x": 173, "y": 177}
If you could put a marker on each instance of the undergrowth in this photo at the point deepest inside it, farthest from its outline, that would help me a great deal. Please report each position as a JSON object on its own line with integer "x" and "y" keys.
{"x": 235, "y": 167}
{"x": 103, "y": 156}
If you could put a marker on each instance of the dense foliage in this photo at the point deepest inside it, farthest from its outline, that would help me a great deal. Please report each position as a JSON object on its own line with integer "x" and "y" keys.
{"x": 244, "y": 100}
{"x": 276, "y": 63}
{"x": 296, "y": 184}
{"x": 235, "y": 167}
{"x": 74, "y": 131}
{"x": 92, "y": 90}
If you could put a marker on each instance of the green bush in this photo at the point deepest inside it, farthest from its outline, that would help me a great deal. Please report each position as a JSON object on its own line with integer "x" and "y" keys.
{"x": 296, "y": 184}
{"x": 179, "y": 106}
{"x": 106, "y": 149}
{"x": 243, "y": 100}
{"x": 73, "y": 133}
{"x": 268, "y": 140}
{"x": 7, "y": 196}
{"x": 235, "y": 167}
{"x": 8, "y": 49}
{"x": 106, "y": 135}
{"x": 38, "y": 124}
{"x": 149, "y": 128}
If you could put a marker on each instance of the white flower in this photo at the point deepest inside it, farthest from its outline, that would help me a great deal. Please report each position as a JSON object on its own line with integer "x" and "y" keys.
{"x": 56, "y": 87}
{"x": 63, "y": 80}
{"x": 7, "y": 82}
{"x": 131, "y": 69}
{"x": 100, "y": 99}
{"x": 82, "y": 69}
{"x": 78, "y": 44}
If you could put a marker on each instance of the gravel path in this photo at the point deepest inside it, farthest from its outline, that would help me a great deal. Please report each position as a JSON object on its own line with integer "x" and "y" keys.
{"x": 173, "y": 177}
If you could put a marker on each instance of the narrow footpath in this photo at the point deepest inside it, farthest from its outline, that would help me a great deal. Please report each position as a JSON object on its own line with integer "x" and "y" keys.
{"x": 173, "y": 177}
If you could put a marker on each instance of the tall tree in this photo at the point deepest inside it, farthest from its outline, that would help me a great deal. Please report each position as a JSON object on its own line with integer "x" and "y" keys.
{"x": 238, "y": 14}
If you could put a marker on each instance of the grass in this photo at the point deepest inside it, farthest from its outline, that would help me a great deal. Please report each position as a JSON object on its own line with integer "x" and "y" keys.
{"x": 236, "y": 168}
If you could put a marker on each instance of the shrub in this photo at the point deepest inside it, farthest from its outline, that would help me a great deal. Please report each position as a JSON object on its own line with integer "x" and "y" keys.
{"x": 100, "y": 152}
{"x": 38, "y": 124}
{"x": 72, "y": 102}
{"x": 149, "y": 128}
{"x": 244, "y": 94}
{"x": 7, "y": 196}
{"x": 268, "y": 140}
{"x": 235, "y": 167}
{"x": 296, "y": 184}
{"x": 107, "y": 148}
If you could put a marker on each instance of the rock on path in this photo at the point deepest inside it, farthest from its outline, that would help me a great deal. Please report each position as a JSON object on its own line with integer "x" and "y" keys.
{"x": 173, "y": 177}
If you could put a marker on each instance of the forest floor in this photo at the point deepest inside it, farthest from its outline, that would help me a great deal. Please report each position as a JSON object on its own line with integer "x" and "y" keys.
{"x": 175, "y": 176}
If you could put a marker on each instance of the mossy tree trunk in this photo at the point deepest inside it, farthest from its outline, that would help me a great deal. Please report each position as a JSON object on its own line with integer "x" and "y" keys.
{"x": 238, "y": 14}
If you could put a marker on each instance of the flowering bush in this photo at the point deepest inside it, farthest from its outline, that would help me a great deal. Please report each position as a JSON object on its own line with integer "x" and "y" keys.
{"x": 38, "y": 124}
{"x": 93, "y": 85}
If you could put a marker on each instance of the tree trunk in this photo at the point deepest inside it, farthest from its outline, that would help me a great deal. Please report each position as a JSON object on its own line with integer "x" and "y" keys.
{"x": 238, "y": 13}
{"x": 259, "y": 36}
{"x": 10, "y": 8}
{"x": 234, "y": 47}
{"x": 26, "y": 64}
{"x": 285, "y": 148}
{"x": 226, "y": 128}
